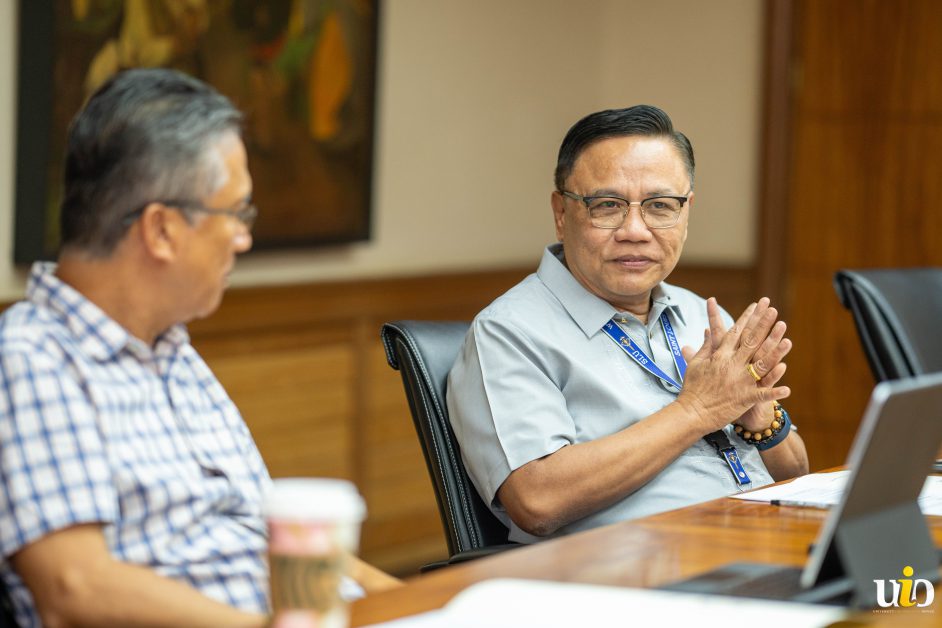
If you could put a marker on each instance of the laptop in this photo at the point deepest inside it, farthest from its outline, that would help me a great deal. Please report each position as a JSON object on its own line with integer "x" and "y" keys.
{"x": 876, "y": 529}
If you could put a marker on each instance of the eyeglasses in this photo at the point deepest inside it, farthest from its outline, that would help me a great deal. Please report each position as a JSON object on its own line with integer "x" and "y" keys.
{"x": 245, "y": 215}
{"x": 609, "y": 212}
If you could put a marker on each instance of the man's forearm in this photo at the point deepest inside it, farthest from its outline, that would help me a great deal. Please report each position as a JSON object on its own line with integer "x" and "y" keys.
{"x": 788, "y": 459}
{"x": 75, "y": 581}
{"x": 370, "y": 578}
{"x": 577, "y": 480}
{"x": 128, "y": 595}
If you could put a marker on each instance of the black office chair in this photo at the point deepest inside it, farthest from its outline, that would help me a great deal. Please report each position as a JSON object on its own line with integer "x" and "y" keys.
{"x": 898, "y": 314}
{"x": 7, "y": 619}
{"x": 423, "y": 352}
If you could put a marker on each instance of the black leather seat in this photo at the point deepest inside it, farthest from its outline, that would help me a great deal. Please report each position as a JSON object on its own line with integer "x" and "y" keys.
{"x": 898, "y": 312}
{"x": 7, "y": 619}
{"x": 423, "y": 352}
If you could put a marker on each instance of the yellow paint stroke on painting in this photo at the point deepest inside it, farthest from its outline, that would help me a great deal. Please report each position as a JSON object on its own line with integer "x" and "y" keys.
{"x": 80, "y": 9}
{"x": 330, "y": 79}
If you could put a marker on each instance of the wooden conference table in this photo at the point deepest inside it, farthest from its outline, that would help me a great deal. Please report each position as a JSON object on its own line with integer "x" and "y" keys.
{"x": 642, "y": 553}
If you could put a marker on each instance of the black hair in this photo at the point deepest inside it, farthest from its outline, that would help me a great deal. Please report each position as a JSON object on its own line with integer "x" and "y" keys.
{"x": 645, "y": 120}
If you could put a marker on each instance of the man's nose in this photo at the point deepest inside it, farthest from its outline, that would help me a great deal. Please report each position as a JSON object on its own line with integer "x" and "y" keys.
{"x": 633, "y": 226}
{"x": 242, "y": 242}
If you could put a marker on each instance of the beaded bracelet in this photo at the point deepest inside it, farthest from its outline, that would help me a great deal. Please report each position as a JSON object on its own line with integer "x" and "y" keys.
{"x": 770, "y": 436}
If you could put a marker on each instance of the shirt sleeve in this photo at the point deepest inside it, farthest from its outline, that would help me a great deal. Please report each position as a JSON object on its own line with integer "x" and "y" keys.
{"x": 54, "y": 470}
{"x": 504, "y": 406}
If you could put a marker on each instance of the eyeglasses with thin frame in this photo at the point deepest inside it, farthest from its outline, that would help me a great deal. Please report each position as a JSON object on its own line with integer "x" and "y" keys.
{"x": 610, "y": 212}
{"x": 246, "y": 215}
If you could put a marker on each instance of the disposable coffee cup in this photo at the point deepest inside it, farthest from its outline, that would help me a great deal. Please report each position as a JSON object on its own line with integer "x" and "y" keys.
{"x": 314, "y": 530}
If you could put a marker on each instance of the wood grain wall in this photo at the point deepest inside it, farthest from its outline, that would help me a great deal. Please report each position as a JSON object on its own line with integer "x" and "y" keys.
{"x": 306, "y": 367}
{"x": 862, "y": 184}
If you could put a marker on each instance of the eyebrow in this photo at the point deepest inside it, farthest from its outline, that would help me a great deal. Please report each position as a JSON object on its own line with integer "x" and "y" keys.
{"x": 605, "y": 192}
{"x": 662, "y": 192}
{"x": 653, "y": 194}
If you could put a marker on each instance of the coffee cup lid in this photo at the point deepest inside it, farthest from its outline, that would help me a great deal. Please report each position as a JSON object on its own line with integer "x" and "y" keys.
{"x": 314, "y": 499}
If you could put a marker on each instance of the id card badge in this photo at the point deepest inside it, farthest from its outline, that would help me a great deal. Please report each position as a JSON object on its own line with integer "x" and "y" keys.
{"x": 735, "y": 465}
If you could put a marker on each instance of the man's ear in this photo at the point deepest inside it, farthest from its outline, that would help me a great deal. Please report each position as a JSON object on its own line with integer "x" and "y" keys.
{"x": 559, "y": 213}
{"x": 161, "y": 231}
{"x": 689, "y": 208}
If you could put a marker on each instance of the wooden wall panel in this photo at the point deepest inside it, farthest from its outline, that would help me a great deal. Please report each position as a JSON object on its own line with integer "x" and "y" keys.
{"x": 865, "y": 176}
{"x": 299, "y": 404}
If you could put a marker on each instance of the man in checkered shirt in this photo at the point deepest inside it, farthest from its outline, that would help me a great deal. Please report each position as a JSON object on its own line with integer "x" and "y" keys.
{"x": 130, "y": 487}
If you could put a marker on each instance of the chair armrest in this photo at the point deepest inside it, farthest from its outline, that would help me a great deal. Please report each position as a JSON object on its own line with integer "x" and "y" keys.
{"x": 463, "y": 557}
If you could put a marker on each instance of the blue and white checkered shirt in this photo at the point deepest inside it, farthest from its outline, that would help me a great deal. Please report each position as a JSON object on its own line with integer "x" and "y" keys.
{"x": 96, "y": 426}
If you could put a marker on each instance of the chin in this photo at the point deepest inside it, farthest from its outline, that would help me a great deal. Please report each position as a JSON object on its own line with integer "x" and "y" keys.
{"x": 210, "y": 306}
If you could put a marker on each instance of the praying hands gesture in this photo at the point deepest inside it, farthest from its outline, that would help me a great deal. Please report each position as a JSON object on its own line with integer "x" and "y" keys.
{"x": 735, "y": 375}
{"x": 766, "y": 366}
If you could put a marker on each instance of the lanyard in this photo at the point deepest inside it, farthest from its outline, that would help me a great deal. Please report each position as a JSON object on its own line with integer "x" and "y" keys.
{"x": 635, "y": 352}
{"x": 717, "y": 439}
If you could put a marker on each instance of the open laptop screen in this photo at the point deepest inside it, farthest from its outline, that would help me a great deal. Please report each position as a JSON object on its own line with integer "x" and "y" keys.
{"x": 877, "y": 529}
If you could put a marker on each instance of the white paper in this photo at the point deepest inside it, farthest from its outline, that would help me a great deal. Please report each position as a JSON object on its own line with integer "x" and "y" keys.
{"x": 431, "y": 619}
{"x": 823, "y": 490}
{"x": 930, "y": 499}
{"x": 509, "y": 603}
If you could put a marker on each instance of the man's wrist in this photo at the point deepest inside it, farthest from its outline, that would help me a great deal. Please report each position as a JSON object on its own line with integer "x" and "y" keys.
{"x": 758, "y": 418}
{"x": 780, "y": 436}
{"x": 696, "y": 412}
{"x": 770, "y": 436}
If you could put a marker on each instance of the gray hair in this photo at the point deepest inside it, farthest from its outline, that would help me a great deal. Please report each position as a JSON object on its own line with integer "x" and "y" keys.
{"x": 144, "y": 136}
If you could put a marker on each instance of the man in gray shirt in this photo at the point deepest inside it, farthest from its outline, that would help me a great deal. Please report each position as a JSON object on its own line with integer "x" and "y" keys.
{"x": 577, "y": 398}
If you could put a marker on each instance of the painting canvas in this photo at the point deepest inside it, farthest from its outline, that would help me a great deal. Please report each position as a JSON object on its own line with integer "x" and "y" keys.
{"x": 303, "y": 71}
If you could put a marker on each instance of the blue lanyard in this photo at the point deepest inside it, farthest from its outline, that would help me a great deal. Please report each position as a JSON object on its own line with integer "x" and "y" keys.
{"x": 635, "y": 352}
{"x": 717, "y": 439}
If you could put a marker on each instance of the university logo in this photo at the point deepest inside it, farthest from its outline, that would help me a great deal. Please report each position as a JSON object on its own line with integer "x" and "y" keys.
{"x": 904, "y": 591}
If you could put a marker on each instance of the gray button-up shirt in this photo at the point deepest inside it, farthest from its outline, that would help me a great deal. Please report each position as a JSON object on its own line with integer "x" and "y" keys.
{"x": 537, "y": 373}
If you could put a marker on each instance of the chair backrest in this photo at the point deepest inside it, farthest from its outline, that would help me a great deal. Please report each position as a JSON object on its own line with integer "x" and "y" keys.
{"x": 898, "y": 312}
{"x": 7, "y": 618}
{"x": 423, "y": 352}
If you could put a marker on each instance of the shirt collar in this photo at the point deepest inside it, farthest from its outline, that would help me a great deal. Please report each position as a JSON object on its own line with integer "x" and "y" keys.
{"x": 664, "y": 298}
{"x": 99, "y": 336}
{"x": 589, "y": 311}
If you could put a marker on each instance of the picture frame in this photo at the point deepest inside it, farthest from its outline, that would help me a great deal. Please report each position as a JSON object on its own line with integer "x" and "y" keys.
{"x": 302, "y": 71}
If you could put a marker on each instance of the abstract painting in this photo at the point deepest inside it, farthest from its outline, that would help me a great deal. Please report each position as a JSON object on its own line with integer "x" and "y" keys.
{"x": 302, "y": 71}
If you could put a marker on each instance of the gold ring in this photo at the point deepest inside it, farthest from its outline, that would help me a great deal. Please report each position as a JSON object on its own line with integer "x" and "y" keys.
{"x": 752, "y": 371}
